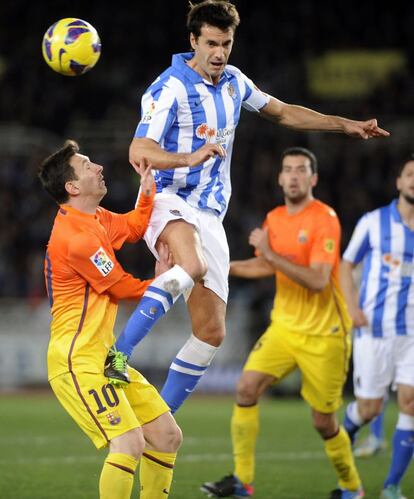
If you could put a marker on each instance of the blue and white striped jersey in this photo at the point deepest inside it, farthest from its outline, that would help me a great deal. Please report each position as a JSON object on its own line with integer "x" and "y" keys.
{"x": 182, "y": 111}
{"x": 386, "y": 246}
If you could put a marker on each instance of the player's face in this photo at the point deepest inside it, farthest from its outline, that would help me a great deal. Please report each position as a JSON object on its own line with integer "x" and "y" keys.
{"x": 211, "y": 51}
{"x": 405, "y": 182}
{"x": 90, "y": 181}
{"x": 296, "y": 178}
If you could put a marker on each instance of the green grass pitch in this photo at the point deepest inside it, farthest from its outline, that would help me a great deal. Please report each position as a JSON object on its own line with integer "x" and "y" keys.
{"x": 44, "y": 455}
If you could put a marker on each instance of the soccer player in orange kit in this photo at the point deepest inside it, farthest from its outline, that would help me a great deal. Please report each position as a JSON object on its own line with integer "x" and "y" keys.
{"x": 85, "y": 282}
{"x": 309, "y": 329}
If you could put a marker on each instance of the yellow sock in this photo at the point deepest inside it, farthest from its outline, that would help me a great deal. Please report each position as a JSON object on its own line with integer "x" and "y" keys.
{"x": 156, "y": 473}
{"x": 339, "y": 452}
{"x": 244, "y": 430}
{"x": 117, "y": 477}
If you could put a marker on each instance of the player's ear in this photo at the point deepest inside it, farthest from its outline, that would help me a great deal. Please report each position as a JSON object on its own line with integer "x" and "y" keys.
{"x": 71, "y": 188}
{"x": 193, "y": 41}
{"x": 314, "y": 179}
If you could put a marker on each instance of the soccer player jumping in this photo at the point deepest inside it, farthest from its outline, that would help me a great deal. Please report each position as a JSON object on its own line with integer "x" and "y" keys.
{"x": 187, "y": 128}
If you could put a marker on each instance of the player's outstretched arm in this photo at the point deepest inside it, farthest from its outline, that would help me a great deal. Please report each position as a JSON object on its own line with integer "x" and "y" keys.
{"x": 302, "y": 118}
{"x": 164, "y": 160}
{"x": 351, "y": 294}
{"x": 253, "y": 268}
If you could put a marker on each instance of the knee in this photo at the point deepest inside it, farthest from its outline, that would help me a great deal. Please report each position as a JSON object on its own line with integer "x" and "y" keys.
{"x": 247, "y": 392}
{"x": 196, "y": 267}
{"x": 325, "y": 424}
{"x": 131, "y": 442}
{"x": 369, "y": 411}
{"x": 174, "y": 438}
{"x": 213, "y": 335}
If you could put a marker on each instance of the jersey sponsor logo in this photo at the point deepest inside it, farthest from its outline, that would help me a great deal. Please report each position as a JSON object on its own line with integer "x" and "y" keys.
{"x": 113, "y": 418}
{"x": 303, "y": 236}
{"x": 146, "y": 315}
{"x": 207, "y": 133}
{"x": 102, "y": 262}
{"x": 396, "y": 267}
{"x": 149, "y": 113}
{"x": 329, "y": 245}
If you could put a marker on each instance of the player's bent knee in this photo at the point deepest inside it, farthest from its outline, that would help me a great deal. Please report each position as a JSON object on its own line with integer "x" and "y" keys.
{"x": 247, "y": 392}
{"x": 132, "y": 442}
{"x": 369, "y": 411}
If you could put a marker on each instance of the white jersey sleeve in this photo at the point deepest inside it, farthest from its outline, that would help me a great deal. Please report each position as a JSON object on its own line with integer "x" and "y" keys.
{"x": 158, "y": 111}
{"x": 253, "y": 99}
{"x": 360, "y": 244}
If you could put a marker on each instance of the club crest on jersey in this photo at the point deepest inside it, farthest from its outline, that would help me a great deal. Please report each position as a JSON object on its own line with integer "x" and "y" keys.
{"x": 329, "y": 245}
{"x": 149, "y": 113}
{"x": 102, "y": 262}
{"x": 231, "y": 91}
{"x": 303, "y": 236}
{"x": 113, "y": 418}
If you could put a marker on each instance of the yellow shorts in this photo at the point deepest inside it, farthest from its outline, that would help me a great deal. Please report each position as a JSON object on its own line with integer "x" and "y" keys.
{"x": 103, "y": 411}
{"x": 322, "y": 360}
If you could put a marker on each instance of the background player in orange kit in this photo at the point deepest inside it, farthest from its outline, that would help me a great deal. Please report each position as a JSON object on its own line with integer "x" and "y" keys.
{"x": 309, "y": 330}
{"x": 85, "y": 282}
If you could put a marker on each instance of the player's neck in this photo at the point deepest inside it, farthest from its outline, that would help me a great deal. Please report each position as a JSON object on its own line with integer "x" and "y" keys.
{"x": 296, "y": 207}
{"x": 192, "y": 63}
{"x": 406, "y": 211}
{"x": 84, "y": 205}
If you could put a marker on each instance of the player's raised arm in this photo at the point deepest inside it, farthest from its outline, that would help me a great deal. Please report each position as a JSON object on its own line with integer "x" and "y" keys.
{"x": 302, "y": 118}
{"x": 164, "y": 160}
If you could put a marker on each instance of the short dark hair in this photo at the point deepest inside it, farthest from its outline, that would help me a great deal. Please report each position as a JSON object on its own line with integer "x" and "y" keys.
{"x": 301, "y": 151}
{"x": 55, "y": 171}
{"x": 218, "y": 13}
{"x": 409, "y": 157}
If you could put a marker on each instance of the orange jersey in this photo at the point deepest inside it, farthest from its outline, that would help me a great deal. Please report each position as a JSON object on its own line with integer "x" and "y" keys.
{"x": 310, "y": 236}
{"x": 80, "y": 267}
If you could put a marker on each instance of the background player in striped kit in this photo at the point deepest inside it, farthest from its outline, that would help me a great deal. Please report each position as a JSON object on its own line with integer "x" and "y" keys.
{"x": 383, "y": 313}
{"x": 187, "y": 128}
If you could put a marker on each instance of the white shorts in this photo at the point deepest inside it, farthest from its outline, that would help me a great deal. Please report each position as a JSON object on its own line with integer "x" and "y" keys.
{"x": 169, "y": 207}
{"x": 380, "y": 363}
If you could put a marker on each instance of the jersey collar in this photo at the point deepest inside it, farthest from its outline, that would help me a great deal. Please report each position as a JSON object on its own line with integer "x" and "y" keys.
{"x": 396, "y": 215}
{"x": 179, "y": 62}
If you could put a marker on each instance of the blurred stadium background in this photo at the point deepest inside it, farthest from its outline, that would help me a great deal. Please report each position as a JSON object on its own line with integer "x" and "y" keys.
{"x": 350, "y": 58}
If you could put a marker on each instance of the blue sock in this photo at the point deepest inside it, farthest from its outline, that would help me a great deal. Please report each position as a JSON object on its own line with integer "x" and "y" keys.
{"x": 180, "y": 383}
{"x": 157, "y": 300}
{"x": 352, "y": 421}
{"x": 377, "y": 426}
{"x": 186, "y": 371}
{"x": 402, "y": 453}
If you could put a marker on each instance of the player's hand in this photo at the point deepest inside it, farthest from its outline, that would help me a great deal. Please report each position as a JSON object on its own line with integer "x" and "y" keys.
{"x": 143, "y": 168}
{"x": 364, "y": 129}
{"x": 205, "y": 152}
{"x": 259, "y": 238}
{"x": 165, "y": 261}
{"x": 358, "y": 317}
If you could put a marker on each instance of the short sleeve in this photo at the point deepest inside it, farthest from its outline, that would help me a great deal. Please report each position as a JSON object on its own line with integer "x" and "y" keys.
{"x": 96, "y": 264}
{"x": 359, "y": 245}
{"x": 326, "y": 242}
{"x": 253, "y": 99}
{"x": 158, "y": 112}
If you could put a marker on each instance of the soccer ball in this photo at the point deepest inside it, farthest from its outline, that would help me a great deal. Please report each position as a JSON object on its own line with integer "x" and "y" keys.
{"x": 71, "y": 46}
